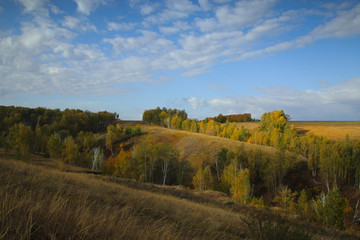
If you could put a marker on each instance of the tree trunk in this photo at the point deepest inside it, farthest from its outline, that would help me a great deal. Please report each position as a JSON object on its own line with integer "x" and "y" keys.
{"x": 217, "y": 170}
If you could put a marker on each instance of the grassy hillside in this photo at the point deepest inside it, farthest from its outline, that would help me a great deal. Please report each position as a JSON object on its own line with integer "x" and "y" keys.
{"x": 194, "y": 146}
{"x": 334, "y": 130}
{"x": 41, "y": 202}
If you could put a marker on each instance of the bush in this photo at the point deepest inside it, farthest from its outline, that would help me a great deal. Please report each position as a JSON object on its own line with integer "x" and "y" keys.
{"x": 263, "y": 227}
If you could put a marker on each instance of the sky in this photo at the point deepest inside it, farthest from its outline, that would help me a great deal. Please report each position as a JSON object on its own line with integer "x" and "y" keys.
{"x": 204, "y": 56}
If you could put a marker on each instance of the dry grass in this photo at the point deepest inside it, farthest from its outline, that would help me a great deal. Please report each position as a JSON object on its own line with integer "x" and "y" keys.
{"x": 38, "y": 202}
{"x": 194, "y": 147}
{"x": 248, "y": 125}
{"x": 334, "y": 130}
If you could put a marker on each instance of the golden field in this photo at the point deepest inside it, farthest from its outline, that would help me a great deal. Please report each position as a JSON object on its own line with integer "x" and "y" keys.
{"x": 333, "y": 130}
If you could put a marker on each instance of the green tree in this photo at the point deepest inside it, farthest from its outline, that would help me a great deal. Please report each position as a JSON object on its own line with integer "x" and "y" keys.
{"x": 220, "y": 162}
{"x": 144, "y": 152}
{"x": 70, "y": 150}
{"x": 211, "y": 128}
{"x": 167, "y": 156}
{"x": 328, "y": 165}
{"x": 55, "y": 146}
{"x": 330, "y": 209}
{"x": 194, "y": 126}
{"x": 114, "y": 134}
{"x": 285, "y": 198}
{"x": 356, "y": 161}
{"x": 186, "y": 125}
{"x": 302, "y": 207}
{"x": 203, "y": 179}
{"x": 20, "y": 139}
{"x": 313, "y": 153}
{"x": 239, "y": 181}
{"x": 125, "y": 165}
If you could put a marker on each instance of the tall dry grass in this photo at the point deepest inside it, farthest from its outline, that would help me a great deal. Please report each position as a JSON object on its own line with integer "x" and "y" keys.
{"x": 38, "y": 202}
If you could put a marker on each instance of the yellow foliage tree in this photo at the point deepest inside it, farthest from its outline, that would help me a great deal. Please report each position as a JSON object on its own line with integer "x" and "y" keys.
{"x": 203, "y": 179}
{"x": 239, "y": 181}
{"x": 71, "y": 150}
{"x": 122, "y": 164}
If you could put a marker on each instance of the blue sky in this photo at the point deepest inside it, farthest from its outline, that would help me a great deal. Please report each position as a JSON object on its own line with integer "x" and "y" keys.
{"x": 204, "y": 56}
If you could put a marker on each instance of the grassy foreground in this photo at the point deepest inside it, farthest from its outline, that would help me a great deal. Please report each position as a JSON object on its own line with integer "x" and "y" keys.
{"x": 41, "y": 202}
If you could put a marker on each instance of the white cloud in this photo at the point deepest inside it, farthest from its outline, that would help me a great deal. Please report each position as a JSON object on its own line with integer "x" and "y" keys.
{"x": 344, "y": 25}
{"x": 245, "y": 13}
{"x": 169, "y": 30}
{"x": 78, "y": 24}
{"x": 174, "y": 9}
{"x": 182, "y": 25}
{"x": 32, "y": 5}
{"x": 87, "y": 6}
{"x": 195, "y": 102}
{"x": 113, "y": 26}
{"x": 222, "y": 1}
{"x": 148, "y": 43}
{"x": 146, "y": 9}
{"x": 330, "y": 5}
{"x": 45, "y": 57}
{"x": 205, "y": 4}
{"x": 207, "y": 24}
{"x": 338, "y": 102}
{"x": 55, "y": 9}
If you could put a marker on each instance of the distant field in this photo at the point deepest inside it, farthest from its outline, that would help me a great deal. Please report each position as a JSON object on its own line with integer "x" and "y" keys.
{"x": 334, "y": 130}
{"x": 248, "y": 125}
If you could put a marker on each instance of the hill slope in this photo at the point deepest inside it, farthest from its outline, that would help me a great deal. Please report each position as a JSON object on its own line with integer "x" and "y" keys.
{"x": 194, "y": 146}
{"x": 42, "y": 202}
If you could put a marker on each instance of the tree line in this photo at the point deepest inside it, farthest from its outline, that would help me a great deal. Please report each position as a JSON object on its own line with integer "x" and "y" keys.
{"x": 70, "y": 135}
{"x": 73, "y": 120}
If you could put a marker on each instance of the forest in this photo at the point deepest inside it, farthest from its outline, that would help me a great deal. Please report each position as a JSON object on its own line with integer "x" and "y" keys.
{"x": 104, "y": 144}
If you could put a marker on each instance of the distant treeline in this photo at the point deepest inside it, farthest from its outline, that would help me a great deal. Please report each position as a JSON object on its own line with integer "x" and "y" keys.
{"x": 70, "y": 119}
{"x": 164, "y": 116}
{"x": 72, "y": 136}
{"x": 246, "y": 117}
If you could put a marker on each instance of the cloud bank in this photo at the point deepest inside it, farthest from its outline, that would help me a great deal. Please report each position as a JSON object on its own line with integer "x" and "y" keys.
{"x": 338, "y": 102}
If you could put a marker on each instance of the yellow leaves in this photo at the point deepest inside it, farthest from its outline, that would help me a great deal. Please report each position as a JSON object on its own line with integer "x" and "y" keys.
{"x": 203, "y": 179}
{"x": 285, "y": 198}
{"x": 71, "y": 150}
{"x": 20, "y": 138}
{"x": 121, "y": 163}
{"x": 239, "y": 181}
